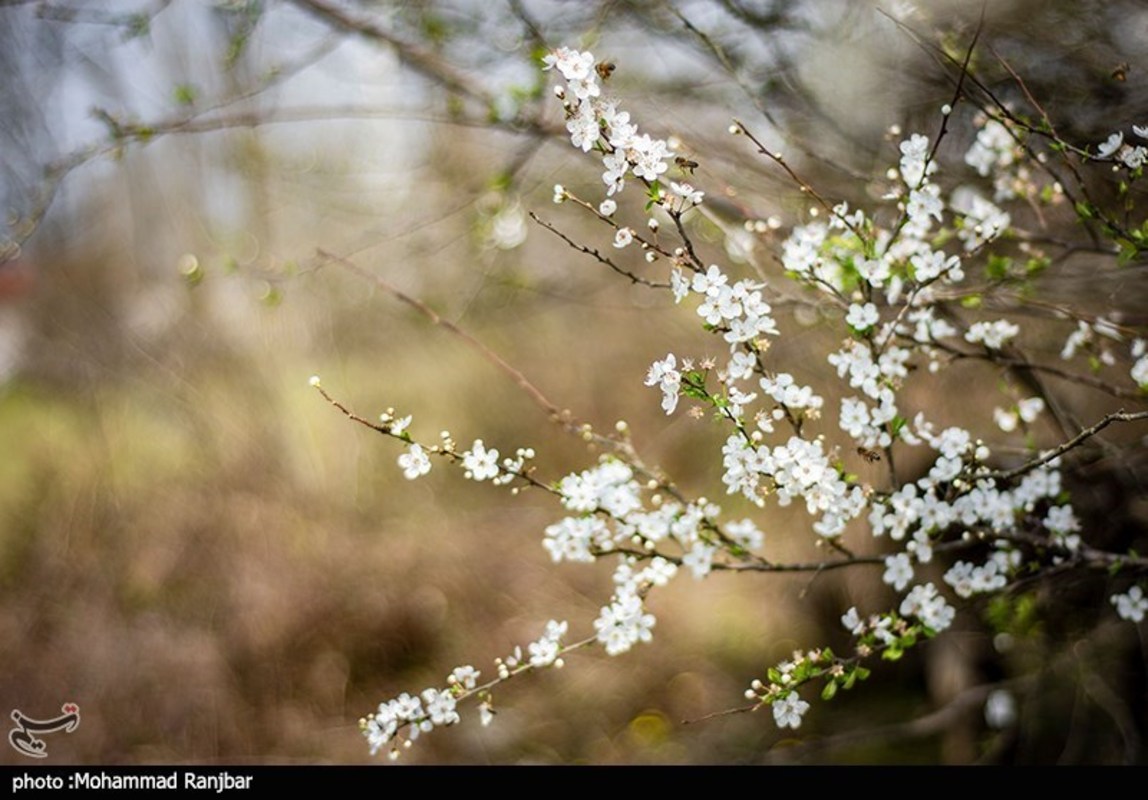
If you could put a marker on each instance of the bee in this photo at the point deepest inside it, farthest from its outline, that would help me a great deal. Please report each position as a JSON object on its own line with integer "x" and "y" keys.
{"x": 605, "y": 69}
{"x": 870, "y": 456}
{"x": 1121, "y": 72}
{"x": 686, "y": 165}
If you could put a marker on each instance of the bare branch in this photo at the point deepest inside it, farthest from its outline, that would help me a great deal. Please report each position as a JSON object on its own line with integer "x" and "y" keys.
{"x": 417, "y": 58}
{"x": 598, "y": 256}
{"x": 1057, "y": 452}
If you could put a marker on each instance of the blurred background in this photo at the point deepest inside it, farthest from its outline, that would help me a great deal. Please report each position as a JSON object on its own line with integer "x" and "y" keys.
{"x": 218, "y": 567}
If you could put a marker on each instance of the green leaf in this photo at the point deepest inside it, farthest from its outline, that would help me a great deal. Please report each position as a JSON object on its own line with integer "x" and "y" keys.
{"x": 654, "y": 195}
{"x": 185, "y": 94}
{"x": 998, "y": 267}
{"x": 138, "y": 25}
{"x": 694, "y": 385}
{"x": 1035, "y": 266}
{"x": 270, "y": 295}
{"x": 829, "y": 691}
{"x": 502, "y": 180}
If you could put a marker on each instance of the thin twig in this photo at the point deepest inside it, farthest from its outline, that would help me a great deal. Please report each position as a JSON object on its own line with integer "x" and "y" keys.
{"x": 415, "y": 57}
{"x": 563, "y": 417}
{"x": 601, "y": 259}
{"x": 1056, "y": 452}
{"x": 515, "y": 375}
{"x": 1074, "y": 377}
{"x": 929, "y": 724}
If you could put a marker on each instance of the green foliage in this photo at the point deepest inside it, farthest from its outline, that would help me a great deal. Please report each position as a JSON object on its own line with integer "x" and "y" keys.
{"x": 185, "y": 94}
{"x": 1016, "y": 614}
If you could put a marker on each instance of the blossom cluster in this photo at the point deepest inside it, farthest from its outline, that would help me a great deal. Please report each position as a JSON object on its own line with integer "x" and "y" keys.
{"x": 891, "y": 275}
{"x": 397, "y": 723}
{"x": 1131, "y": 156}
{"x": 595, "y": 121}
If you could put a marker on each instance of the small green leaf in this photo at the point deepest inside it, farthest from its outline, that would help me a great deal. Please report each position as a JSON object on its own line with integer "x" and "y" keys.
{"x": 1035, "y": 266}
{"x": 270, "y": 295}
{"x": 829, "y": 691}
{"x": 186, "y": 94}
{"x": 998, "y": 267}
{"x": 502, "y": 180}
{"x": 137, "y": 25}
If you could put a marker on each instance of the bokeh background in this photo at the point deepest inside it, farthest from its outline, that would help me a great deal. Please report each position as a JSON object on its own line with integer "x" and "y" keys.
{"x": 218, "y": 567}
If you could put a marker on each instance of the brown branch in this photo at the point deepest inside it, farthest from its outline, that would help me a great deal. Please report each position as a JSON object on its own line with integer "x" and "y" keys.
{"x": 726, "y": 713}
{"x": 498, "y": 361}
{"x": 618, "y": 444}
{"x": 958, "y": 92}
{"x": 802, "y": 184}
{"x": 1056, "y": 452}
{"x": 597, "y": 256}
{"x": 1074, "y": 377}
{"x": 351, "y": 415}
{"x": 418, "y": 59}
{"x": 929, "y": 724}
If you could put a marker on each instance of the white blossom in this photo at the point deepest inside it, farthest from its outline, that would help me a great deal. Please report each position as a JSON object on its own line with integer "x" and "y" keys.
{"x": 480, "y": 464}
{"x": 992, "y": 334}
{"x": 414, "y": 462}
{"x": 862, "y": 317}
{"x": 788, "y": 711}
{"x": 665, "y": 375}
{"x": 898, "y": 571}
{"x": 1109, "y": 146}
{"x": 1131, "y": 605}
